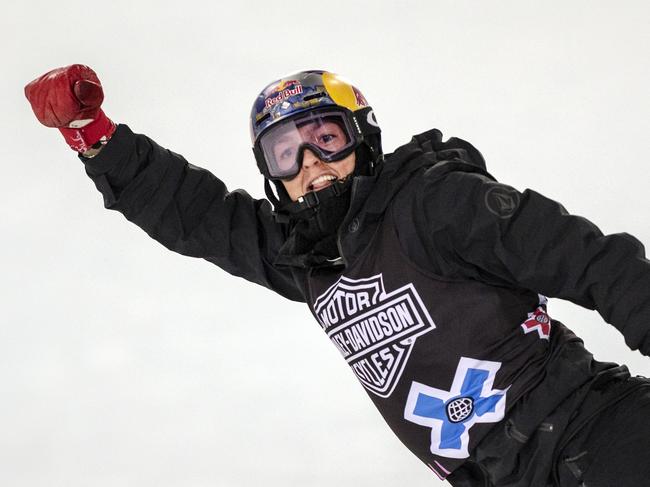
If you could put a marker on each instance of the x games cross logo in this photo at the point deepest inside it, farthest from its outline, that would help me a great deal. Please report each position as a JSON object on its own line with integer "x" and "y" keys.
{"x": 451, "y": 414}
{"x": 374, "y": 330}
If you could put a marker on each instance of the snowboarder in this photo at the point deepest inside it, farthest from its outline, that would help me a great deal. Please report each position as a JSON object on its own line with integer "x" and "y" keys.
{"x": 428, "y": 275}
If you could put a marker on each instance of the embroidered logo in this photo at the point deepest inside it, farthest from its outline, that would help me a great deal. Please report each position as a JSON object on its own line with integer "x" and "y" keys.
{"x": 502, "y": 201}
{"x": 451, "y": 414}
{"x": 538, "y": 320}
{"x": 373, "y": 329}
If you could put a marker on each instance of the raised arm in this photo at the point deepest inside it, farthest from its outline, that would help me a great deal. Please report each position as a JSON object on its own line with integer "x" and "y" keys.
{"x": 182, "y": 206}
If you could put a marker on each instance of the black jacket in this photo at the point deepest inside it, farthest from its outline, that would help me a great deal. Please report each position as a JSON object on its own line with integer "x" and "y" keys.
{"x": 458, "y": 221}
{"x": 446, "y": 218}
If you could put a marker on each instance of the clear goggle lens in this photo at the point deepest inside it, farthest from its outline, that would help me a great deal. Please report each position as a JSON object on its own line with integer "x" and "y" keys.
{"x": 327, "y": 134}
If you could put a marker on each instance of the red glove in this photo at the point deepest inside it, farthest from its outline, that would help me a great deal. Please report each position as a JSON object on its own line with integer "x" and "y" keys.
{"x": 69, "y": 99}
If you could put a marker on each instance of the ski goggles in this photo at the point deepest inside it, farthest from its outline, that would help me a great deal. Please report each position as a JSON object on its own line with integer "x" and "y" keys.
{"x": 329, "y": 134}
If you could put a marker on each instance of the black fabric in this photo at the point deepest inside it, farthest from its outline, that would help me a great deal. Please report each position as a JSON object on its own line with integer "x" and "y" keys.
{"x": 190, "y": 211}
{"x": 598, "y": 437}
{"x": 472, "y": 322}
{"x": 316, "y": 233}
{"x": 522, "y": 452}
{"x": 450, "y": 219}
{"x": 539, "y": 245}
{"x": 612, "y": 448}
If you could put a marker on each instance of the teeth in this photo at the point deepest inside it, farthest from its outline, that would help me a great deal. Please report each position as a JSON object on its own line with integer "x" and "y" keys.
{"x": 322, "y": 179}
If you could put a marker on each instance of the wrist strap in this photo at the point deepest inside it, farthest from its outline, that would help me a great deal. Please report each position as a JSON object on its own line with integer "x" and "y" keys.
{"x": 83, "y": 138}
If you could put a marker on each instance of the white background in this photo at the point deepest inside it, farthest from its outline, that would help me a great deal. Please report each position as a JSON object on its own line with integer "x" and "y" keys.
{"x": 122, "y": 364}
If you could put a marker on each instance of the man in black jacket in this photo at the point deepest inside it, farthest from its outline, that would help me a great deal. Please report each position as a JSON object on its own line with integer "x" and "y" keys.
{"x": 428, "y": 276}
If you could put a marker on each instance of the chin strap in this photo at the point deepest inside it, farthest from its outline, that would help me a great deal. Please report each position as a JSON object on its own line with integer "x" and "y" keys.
{"x": 308, "y": 204}
{"x": 369, "y": 158}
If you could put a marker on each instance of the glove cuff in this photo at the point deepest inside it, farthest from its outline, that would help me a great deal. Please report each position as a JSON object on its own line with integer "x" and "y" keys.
{"x": 83, "y": 138}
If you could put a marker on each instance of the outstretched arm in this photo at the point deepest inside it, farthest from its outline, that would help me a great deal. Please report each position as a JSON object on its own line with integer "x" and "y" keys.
{"x": 184, "y": 207}
{"x": 492, "y": 232}
{"x": 189, "y": 210}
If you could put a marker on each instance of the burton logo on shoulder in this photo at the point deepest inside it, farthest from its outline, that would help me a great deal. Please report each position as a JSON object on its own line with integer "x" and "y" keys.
{"x": 373, "y": 329}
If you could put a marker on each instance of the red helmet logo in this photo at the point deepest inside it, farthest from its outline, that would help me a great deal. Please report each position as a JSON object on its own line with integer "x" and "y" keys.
{"x": 282, "y": 91}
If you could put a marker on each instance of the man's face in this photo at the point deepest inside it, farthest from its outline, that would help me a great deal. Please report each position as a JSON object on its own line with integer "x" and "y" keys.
{"x": 314, "y": 174}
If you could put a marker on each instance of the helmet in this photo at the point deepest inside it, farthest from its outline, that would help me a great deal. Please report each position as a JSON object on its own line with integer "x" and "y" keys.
{"x": 314, "y": 99}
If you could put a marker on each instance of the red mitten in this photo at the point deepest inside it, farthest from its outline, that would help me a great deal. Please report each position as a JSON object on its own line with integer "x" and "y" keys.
{"x": 69, "y": 99}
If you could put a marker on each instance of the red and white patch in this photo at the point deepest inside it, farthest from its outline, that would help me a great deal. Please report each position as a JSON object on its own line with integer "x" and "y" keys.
{"x": 538, "y": 321}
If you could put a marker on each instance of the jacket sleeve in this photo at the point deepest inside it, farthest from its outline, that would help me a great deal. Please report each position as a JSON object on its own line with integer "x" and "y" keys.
{"x": 476, "y": 227}
{"x": 189, "y": 210}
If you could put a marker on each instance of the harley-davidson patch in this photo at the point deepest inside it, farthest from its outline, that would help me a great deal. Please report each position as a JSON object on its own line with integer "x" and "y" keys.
{"x": 374, "y": 330}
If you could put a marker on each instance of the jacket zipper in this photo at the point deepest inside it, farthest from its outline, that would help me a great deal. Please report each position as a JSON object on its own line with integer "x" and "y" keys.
{"x": 339, "y": 245}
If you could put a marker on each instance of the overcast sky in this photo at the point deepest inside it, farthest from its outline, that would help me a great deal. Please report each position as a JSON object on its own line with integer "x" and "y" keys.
{"x": 123, "y": 364}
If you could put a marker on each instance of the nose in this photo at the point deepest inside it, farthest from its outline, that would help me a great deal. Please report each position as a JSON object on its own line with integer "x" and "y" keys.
{"x": 309, "y": 159}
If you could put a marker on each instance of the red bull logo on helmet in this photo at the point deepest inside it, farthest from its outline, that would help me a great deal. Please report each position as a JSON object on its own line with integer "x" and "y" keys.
{"x": 359, "y": 98}
{"x": 282, "y": 91}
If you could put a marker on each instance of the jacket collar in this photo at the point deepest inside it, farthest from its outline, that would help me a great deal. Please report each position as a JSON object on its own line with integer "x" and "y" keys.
{"x": 371, "y": 195}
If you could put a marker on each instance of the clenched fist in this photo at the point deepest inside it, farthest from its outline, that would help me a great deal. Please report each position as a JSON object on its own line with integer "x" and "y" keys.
{"x": 69, "y": 99}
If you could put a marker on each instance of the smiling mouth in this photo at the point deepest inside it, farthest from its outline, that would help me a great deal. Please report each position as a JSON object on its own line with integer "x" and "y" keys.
{"x": 321, "y": 182}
